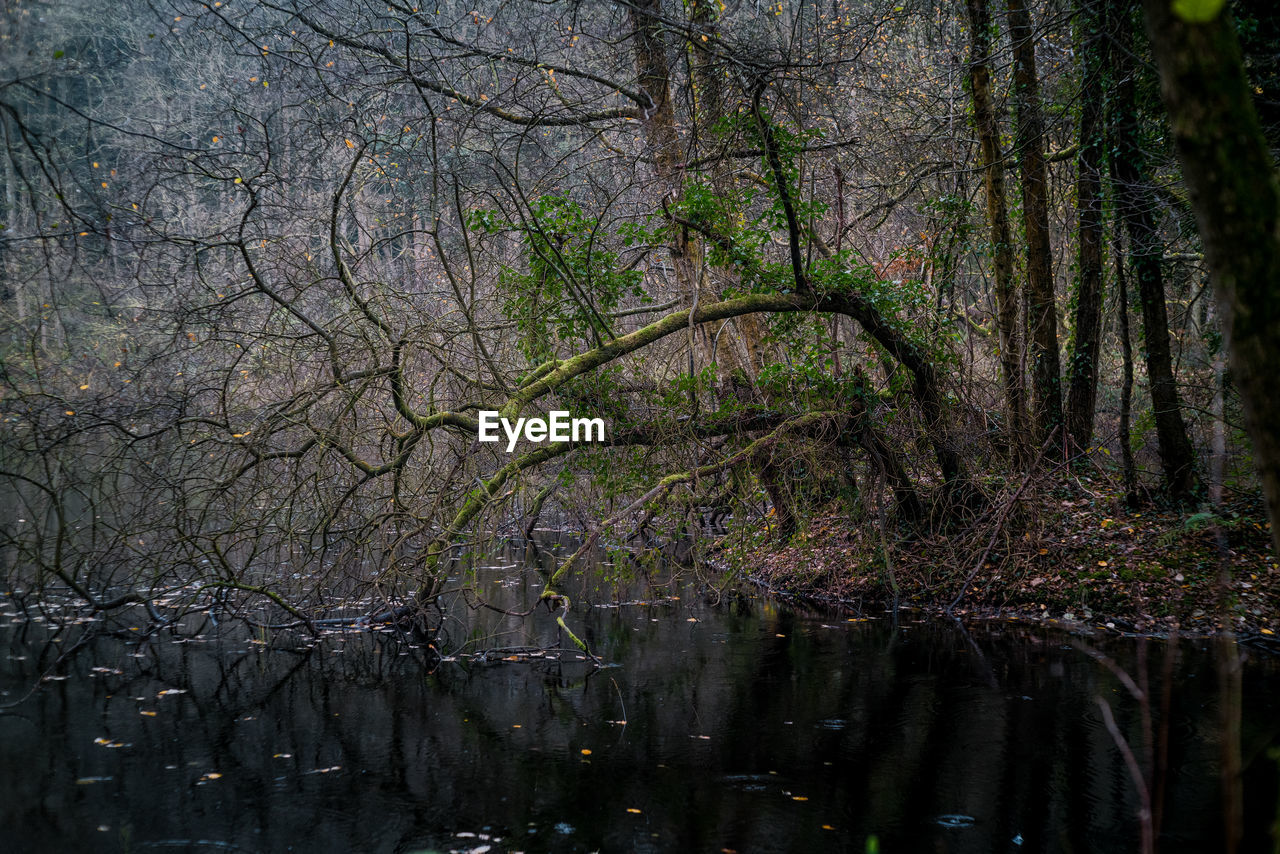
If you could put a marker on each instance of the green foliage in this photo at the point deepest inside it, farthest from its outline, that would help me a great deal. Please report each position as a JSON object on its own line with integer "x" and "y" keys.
{"x": 677, "y": 393}
{"x": 613, "y": 471}
{"x": 953, "y": 209}
{"x": 808, "y": 378}
{"x": 1198, "y": 11}
{"x": 903, "y": 304}
{"x": 598, "y": 392}
{"x": 572, "y": 278}
{"x": 787, "y": 144}
{"x": 736, "y": 228}
{"x": 735, "y": 241}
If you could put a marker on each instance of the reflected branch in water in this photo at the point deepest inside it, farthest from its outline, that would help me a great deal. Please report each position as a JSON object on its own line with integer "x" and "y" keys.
{"x": 1135, "y": 773}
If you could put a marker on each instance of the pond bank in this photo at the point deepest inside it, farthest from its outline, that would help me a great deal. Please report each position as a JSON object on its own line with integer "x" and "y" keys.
{"x": 1085, "y": 559}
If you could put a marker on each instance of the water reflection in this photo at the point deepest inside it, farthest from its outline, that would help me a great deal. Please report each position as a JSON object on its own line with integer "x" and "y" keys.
{"x": 750, "y": 727}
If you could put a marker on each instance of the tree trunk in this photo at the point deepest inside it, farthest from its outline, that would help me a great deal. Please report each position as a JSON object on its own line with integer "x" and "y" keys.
{"x": 1236, "y": 195}
{"x": 1136, "y": 205}
{"x": 882, "y": 456}
{"x": 984, "y": 117}
{"x": 777, "y": 482}
{"x": 654, "y": 76}
{"x": 739, "y": 346}
{"x": 1042, "y": 315}
{"x": 1082, "y": 365}
{"x": 1126, "y": 383}
{"x": 653, "y": 73}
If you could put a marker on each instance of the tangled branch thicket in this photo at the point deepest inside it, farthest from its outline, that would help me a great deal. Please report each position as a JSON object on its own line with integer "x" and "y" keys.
{"x": 264, "y": 263}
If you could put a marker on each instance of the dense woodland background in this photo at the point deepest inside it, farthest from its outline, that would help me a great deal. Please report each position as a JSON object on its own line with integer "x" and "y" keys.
{"x": 916, "y": 264}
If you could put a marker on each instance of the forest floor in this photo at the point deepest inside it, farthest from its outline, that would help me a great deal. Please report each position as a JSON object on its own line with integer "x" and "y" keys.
{"x": 1079, "y": 558}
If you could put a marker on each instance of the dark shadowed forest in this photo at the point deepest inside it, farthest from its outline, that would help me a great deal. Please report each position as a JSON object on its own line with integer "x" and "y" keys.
{"x": 970, "y": 308}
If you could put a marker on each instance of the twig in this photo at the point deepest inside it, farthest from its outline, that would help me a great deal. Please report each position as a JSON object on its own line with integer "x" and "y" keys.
{"x": 620, "y": 701}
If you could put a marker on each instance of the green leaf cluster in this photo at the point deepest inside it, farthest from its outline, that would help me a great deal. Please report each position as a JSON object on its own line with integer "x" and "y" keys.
{"x": 571, "y": 277}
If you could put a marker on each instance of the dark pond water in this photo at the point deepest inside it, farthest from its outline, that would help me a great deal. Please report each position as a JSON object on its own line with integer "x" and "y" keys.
{"x": 747, "y": 727}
